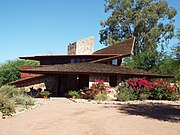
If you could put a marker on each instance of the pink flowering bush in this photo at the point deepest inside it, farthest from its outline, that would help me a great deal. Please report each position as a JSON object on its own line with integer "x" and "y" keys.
{"x": 164, "y": 90}
{"x": 141, "y": 87}
{"x": 98, "y": 88}
{"x": 158, "y": 90}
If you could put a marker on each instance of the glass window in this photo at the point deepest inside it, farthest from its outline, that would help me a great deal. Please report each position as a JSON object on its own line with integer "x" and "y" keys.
{"x": 78, "y": 60}
{"x": 83, "y": 60}
{"x": 72, "y": 60}
{"x": 114, "y": 62}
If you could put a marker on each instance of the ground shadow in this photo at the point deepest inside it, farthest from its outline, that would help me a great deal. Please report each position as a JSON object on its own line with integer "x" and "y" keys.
{"x": 163, "y": 112}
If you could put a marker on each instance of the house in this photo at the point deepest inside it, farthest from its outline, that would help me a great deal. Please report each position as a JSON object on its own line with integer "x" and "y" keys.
{"x": 81, "y": 67}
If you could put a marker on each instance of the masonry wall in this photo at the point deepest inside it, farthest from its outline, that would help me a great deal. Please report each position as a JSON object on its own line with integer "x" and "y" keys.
{"x": 72, "y": 49}
{"x": 82, "y": 47}
{"x": 46, "y": 83}
{"x": 35, "y": 84}
{"x": 85, "y": 46}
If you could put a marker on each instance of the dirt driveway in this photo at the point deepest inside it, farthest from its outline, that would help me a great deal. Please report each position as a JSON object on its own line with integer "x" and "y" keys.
{"x": 64, "y": 117}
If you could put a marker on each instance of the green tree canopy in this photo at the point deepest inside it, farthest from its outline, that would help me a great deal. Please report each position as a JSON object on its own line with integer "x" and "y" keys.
{"x": 9, "y": 71}
{"x": 165, "y": 63}
{"x": 150, "y": 21}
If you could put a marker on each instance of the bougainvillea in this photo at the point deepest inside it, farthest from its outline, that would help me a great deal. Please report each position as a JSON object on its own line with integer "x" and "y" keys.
{"x": 158, "y": 89}
{"x": 135, "y": 88}
{"x": 97, "y": 87}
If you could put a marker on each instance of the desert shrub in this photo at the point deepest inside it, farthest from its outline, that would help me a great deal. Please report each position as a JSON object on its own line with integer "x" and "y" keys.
{"x": 143, "y": 96}
{"x": 9, "y": 91}
{"x": 74, "y": 93}
{"x": 23, "y": 100}
{"x": 7, "y": 107}
{"x": 16, "y": 95}
{"x": 125, "y": 92}
{"x": 100, "y": 97}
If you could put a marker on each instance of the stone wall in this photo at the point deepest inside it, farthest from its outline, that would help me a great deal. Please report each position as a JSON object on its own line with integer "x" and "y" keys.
{"x": 47, "y": 83}
{"x": 82, "y": 47}
{"x": 72, "y": 48}
{"x": 35, "y": 84}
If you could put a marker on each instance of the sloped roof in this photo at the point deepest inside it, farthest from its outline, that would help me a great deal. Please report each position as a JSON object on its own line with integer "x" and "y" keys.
{"x": 23, "y": 80}
{"x": 92, "y": 68}
{"x": 124, "y": 47}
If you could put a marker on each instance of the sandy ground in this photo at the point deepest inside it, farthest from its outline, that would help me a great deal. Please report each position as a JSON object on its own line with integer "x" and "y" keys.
{"x": 64, "y": 117}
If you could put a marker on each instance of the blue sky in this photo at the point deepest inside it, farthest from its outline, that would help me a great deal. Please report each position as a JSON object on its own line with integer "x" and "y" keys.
{"x": 36, "y": 27}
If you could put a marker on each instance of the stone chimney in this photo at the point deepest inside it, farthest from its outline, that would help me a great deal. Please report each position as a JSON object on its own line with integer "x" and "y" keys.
{"x": 82, "y": 47}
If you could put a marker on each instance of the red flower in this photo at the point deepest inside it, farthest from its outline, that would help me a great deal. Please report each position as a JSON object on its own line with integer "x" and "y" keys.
{"x": 97, "y": 91}
{"x": 175, "y": 85}
{"x": 173, "y": 91}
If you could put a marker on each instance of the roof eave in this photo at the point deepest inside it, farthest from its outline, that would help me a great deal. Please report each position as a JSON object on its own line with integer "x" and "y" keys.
{"x": 102, "y": 73}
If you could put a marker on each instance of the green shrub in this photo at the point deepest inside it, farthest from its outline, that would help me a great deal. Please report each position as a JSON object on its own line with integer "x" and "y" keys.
{"x": 100, "y": 97}
{"x": 74, "y": 93}
{"x": 45, "y": 93}
{"x": 23, "y": 100}
{"x": 6, "y": 106}
{"x": 124, "y": 96}
{"x": 9, "y": 91}
{"x": 16, "y": 95}
{"x": 125, "y": 93}
{"x": 143, "y": 96}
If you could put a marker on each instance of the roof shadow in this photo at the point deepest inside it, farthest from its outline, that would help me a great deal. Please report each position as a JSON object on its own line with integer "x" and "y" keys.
{"x": 158, "y": 111}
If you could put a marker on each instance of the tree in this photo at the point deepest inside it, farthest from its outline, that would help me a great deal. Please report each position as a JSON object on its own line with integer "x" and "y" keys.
{"x": 177, "y": 48}
{"x": 9, "y": 71}
{"x": 170, "y": 62}
{"x": 145, "y": 60}
{"x": 150, "y": 21}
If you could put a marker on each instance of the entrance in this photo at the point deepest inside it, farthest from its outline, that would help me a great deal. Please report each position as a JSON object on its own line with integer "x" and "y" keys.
{"x": 71, "y": 82}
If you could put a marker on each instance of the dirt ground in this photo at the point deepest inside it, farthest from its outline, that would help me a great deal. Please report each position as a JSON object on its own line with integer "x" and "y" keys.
{"x": 64, "y": 117}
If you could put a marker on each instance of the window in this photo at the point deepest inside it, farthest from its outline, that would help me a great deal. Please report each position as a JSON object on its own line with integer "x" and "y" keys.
{"x": 114, "y": 62}
{"x": 72, "y": 60}
{"x": 83, "y": 60}
{"x": 78, "y": 60}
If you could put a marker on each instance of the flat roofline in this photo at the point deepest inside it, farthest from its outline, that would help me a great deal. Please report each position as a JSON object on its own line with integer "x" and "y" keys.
{"x": 65, "y": 55}
{"x": 99, "y": 73}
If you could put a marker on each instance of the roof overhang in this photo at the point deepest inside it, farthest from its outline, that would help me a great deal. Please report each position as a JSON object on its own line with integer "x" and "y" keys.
{"x": 99, "y": 73}
{"x": 65, "y": 56}
{"x": 92, "y": 68}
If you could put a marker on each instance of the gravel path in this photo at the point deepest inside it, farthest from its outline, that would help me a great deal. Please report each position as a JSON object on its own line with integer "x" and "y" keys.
{"x": 64, "y": 117}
